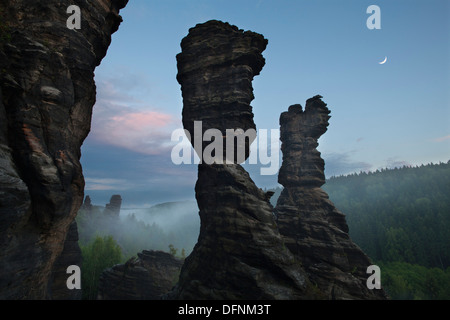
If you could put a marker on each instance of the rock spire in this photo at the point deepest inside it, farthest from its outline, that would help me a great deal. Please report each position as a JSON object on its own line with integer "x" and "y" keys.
{"x": 311, "y": 226}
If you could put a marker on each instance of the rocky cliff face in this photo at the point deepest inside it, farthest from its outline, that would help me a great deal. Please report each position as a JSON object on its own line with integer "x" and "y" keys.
{"x": 47, "y": 92}
{"x": 148, "y": 277}
{"x": 239, "y": 254}
{"x": 71, "y": 255}
{"x": 312, "y": 228}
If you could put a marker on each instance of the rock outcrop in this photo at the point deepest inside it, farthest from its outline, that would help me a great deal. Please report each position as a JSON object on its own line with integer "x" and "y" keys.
{"x": 148, "y": 277}
{"x": 87, "y": 204}
{"x": 311, "y": 226}
{"x": 215, "y": 69}
{"x": 47, "y": 92}
{"x": 71, "y": 255}
{"x": 240, "y": 253}
{"x": 113, "y": 207}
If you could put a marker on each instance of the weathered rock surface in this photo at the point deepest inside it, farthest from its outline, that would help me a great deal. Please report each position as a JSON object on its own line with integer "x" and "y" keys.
{"x": 240, "y": 253}
{"x": 148, "y": 277}
{"x": 311, "y": 226}
{"x": 299, "y": 132}
{"x": 47, "y": 92}
{"x": 71, "y": 255}
{"x": 215, "y": 69}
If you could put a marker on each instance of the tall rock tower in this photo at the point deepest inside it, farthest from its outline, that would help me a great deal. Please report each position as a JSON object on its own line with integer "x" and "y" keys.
{"x": 240, "y": 253}
{"x": 311, "y": 226}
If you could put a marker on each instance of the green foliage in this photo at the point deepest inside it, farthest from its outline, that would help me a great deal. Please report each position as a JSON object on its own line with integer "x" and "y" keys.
{"x": 98, "y": 255}
{"x": 398, "y": 214}
{"x": 107, "y": 240}
{"x": 404, "y": 281}
{"x": 401, "y": 219}
{"x": 172, "y": 250}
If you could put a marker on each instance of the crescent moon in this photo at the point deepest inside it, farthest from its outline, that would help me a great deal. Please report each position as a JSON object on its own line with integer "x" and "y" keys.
{"x": 384, "y": 61}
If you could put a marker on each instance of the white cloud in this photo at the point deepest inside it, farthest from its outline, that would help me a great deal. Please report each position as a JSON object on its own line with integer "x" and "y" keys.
{"x": 102, "y": 184}
{"x": 342, "y": 163}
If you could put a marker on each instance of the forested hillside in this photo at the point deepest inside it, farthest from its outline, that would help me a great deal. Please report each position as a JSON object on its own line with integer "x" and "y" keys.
{"x": 398, "y": 214}
{"x": 401, "y": 218}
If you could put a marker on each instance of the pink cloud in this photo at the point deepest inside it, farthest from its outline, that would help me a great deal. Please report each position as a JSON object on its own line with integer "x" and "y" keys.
{"x": 122, "y": 119}
{"x": 147, "y": 132}
{"x": 442, "y": 139}
{"x": 143, "y": 120}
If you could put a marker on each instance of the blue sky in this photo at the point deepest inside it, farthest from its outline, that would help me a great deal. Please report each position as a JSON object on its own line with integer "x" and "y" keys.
{"x": 382, "y": 115}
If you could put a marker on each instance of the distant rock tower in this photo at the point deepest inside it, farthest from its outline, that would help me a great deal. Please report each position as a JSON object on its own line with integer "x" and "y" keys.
{"x": 87, "y": 204}
{"x": 114, "y": 205}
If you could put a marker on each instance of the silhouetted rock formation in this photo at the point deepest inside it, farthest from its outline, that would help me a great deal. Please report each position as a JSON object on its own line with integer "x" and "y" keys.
{"x": 239, "y": 254}
{"x": 147, "y": 277}
{"x": 87, "y": 204}
{"x": 215, "y": 69}
{"x": 47, "y": 91}
{"x": 299, "y": 132}
{"x": 113, "y": 207}
{"x": 312, "y": 228}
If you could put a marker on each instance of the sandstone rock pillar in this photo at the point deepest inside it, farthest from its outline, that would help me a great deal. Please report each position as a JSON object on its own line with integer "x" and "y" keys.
{"x": 239, "y": 254}
{"x": 312, "y": 228}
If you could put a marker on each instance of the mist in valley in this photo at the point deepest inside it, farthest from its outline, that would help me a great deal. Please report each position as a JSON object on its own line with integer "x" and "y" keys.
{"x": 171, "y": 227}
{"x": 172, "y": 217}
